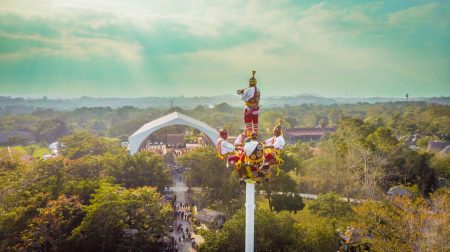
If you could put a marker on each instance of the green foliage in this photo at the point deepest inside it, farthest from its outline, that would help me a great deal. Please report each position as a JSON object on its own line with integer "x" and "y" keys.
{"x": 7, "y": 165}
{"x": 51, "y": 227}
{"x": 83, "y": 189}
{"x": 273, "y": 232}
{"x": 141, "y": 169}
{"x": 48, "y": 176}
{"x": 15, "y": 220}
{"x": 210, "y": 173}
{"x": 83, "y": 144}
{"x": 317, "y": 236}
{"x": 88, "y": 167}
{"x": 287, "y": 202}
{"x": 383, "y": 140}
{"x": 406, "y": 224}
{"x": 368, "y": 154}
{"x": 115, "y": 210}
{"x": 441, "y": 164}
{"x": 49, "y": 130}
{"x": 330, "y": 206}
{"x": 408, "y": 167}
{"x": 281, "y": 183}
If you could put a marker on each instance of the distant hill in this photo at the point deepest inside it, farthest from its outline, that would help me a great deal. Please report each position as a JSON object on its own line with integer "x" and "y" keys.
{"x": 17, "y": 105}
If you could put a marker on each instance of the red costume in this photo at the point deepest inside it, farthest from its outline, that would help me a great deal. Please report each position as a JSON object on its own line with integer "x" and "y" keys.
{"x": 251, "y": 97}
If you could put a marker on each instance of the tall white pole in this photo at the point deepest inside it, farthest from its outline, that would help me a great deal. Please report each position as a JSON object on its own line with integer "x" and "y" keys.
{"x": 249, "y": 216}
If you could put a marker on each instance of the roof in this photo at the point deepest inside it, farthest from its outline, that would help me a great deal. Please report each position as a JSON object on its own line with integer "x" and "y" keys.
{"x": 174, "y": 118}
{"x": 208, "y": 215}
{"x": 307, "y": 131}
{"x": 173, "y": 139}
{"x": 437, "y": 146}
{"x": 445, "y": 151}
{"x": 399, "y": 191}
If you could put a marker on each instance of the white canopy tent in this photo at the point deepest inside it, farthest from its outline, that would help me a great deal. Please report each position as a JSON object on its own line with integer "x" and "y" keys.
{"x": 175, "y": 118}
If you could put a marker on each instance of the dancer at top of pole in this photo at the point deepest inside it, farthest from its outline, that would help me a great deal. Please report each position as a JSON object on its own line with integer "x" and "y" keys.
{"x": 251, "y": 97}
{"x": 226, "y": 150}
{"x": 240, "y": 139}
{"x": 254, "y": 156}
{"x": 272, "y": 151}
{"x": 251, "y": 159}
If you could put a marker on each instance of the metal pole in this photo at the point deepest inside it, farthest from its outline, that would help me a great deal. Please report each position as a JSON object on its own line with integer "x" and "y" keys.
{"x": 249, "y": 216}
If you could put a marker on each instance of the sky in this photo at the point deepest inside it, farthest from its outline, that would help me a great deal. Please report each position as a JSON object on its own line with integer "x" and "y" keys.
{"x": 140, "y": 48}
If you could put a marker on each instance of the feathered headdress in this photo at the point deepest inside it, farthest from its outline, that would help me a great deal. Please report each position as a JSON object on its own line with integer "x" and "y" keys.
{"x": 252, "y": 80}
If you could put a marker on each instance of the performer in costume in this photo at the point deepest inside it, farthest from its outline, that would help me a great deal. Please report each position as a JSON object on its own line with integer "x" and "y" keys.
{"x": 254, "y": 154}
{"x": 240, "y": 140}
{"x": 273, "y": 147}
{"x": 251, "y": 97}
{"x": 226, "y": 150}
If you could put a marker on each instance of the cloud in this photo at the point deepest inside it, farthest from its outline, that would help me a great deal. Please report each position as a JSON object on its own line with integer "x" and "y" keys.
{"x": 217, "y": 42}
{"x": 74, "y": 47}
{"x": 415, "y": 15}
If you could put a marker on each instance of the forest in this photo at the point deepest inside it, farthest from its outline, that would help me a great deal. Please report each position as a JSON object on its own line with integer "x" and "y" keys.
{"x": 85, "y": 198}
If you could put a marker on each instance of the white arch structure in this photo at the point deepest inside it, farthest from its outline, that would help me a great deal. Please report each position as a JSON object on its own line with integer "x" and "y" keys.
{"x": 174, "y": 118}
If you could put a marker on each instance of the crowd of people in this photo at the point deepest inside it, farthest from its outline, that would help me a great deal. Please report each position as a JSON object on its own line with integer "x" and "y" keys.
{"x": 182, "y": 212}
{"x": 176, "y": 151}
{"x": 168, "y": 244}
{"x": 182, "y": 218}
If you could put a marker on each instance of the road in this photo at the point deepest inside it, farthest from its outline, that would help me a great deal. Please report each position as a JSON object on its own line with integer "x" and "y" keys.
{"x": 180, "y": 191}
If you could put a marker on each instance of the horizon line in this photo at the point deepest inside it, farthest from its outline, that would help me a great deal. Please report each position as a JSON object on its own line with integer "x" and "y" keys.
{"x": 62, "y": 97}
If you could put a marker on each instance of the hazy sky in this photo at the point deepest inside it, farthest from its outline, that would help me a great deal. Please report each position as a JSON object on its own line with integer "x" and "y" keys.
{"x": 171, "y": 48}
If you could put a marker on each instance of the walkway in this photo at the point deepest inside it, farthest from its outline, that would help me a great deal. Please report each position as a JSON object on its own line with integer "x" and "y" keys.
{"x": 180, "y": 190}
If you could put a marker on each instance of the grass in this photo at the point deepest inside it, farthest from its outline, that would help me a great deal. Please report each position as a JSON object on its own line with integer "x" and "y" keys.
{"x": 38, "y": 150}
{"x": 19, "y": 151}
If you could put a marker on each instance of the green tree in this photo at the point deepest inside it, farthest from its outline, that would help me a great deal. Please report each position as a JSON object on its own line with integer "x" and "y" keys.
{"x": 404, "y": 224}
{"x": 316, "y": 236}
{"x": 53, "y": 224}
{"x": 15, "y": 219}
{"x": 88, "y": 167}
{"x": 209, "y": 172}
{"x": 51, "y": 129}
{"x": 141, "y": 169}
{"x": 281, "y": 183}
{"x": 83, "y": 144}
{"x": 273, "y": 232}
{"x": 408, "y": 167}
{"x": 83, "y": 189}
{"x": 383, "y": 140}
{"x": 113, "y": 211}
{"x": 287, "y": 202}
{"x": 330, "y": 206}
{"x": 48, "y": 176}
{"x": 441, "y": 164}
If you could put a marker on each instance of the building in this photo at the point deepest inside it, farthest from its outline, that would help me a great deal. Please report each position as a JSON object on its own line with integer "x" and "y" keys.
{"x": 211, "y": 218}
{"x": 175, "y": 140}
{"x": 437, "y": 146}
{"x": 445, "y": 151}
{"x": 295, "y": 135}
{"x": 399, "y": 191}
{"x": 138, "y": 141}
